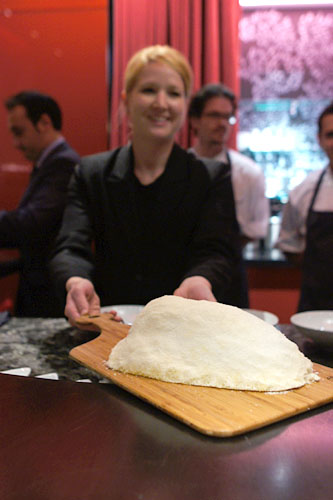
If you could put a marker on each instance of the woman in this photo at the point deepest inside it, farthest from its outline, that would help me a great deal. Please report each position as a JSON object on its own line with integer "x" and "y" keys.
{"x": 158, "y": 223}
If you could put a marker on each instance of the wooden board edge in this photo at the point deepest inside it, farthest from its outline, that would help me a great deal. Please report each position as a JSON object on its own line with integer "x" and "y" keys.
{"x": 212, "y": 432}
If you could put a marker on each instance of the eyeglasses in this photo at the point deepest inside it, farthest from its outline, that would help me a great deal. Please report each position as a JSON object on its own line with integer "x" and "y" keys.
{"x": 214, "y": 115}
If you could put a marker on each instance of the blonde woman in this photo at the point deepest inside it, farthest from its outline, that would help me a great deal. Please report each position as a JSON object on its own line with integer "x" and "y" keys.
{"x": 146, "y": 219}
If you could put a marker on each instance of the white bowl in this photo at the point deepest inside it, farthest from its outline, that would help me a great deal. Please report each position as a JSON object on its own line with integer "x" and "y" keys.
{"x": 127, "y": 312}
{"x": 270, "y": 318}
{"x": 317, "y": 325}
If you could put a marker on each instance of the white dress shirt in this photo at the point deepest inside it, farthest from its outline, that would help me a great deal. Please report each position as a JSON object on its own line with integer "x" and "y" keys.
{"x": 248, "y": 182}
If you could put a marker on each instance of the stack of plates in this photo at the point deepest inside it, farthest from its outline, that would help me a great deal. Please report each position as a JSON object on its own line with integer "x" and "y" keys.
{"x": 128, "y": 313}
{"x": 317, "y": 325}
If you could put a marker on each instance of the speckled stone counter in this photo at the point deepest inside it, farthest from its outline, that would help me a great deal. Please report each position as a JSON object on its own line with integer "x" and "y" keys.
{"x": 43, "y": 345}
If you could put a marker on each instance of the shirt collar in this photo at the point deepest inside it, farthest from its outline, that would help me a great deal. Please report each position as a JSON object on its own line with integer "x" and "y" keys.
{"x": 222, "y": 157}
{"x": 48, "y": 150}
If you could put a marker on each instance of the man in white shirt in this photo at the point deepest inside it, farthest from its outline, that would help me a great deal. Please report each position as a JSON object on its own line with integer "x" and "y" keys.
{"x": 212, "y": 114}
{"x": 306, "y": 234}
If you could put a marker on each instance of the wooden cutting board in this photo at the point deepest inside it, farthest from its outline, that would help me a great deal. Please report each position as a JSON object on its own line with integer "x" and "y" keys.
{"x": 216, "y": 412}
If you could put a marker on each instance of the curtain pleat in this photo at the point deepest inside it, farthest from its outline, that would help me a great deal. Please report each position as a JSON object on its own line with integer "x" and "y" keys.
{"x": 136, "y": 24}
{"x": 206, "y": 31}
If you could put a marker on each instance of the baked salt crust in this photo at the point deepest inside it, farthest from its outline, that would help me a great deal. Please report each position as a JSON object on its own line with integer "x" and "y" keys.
{"x": 210, "y": 344}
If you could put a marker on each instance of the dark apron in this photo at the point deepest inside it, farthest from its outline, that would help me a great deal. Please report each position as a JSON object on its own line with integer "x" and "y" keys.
{"x": 317, "y": 276}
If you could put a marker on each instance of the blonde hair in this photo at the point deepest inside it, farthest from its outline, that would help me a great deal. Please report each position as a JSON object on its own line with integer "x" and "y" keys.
{"x": 158, "y": 53}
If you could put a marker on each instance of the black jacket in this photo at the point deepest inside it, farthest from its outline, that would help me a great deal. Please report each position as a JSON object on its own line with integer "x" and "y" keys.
{"x": 32, "y": 228}
{"x": 137, "y": 243}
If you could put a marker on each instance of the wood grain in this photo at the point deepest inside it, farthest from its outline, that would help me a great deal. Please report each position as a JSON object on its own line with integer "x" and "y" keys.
{"x": 211, "y": 411}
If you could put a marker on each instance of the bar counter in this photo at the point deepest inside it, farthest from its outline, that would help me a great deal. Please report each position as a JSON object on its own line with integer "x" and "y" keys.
{"x": 68, "y": 440}
{"x": 256, "y": 255}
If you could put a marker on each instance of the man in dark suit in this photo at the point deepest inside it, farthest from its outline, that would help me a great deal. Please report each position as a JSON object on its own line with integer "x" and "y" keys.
{"x": 35, "y": 122}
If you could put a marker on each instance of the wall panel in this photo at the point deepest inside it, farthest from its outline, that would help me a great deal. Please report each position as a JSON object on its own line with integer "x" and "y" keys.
{"x": 57, "y": 47}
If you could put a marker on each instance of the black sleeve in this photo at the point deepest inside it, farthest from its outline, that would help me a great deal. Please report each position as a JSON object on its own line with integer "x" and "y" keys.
{"x": 72, "y": 255}
{"x": 215, "y": 250}
{"x": 41, "y": 214}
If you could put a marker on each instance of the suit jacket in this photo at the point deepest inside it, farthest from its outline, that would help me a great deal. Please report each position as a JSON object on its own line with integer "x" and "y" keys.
{"x": 139, "y": 253}
{"x": 32, "y": 228}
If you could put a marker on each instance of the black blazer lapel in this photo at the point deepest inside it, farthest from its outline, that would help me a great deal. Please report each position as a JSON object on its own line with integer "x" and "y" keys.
{"x": 170, "y": 193}
{"x": 64, "y": 151}
{"x": 121, "y": 190}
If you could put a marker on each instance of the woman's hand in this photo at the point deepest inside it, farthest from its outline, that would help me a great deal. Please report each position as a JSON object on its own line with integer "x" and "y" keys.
{"x": 81, "y": 299}
{"x": 195, "y": 287}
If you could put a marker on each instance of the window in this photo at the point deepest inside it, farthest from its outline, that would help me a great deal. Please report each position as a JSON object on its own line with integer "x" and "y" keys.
{"x": 286, "y": 75}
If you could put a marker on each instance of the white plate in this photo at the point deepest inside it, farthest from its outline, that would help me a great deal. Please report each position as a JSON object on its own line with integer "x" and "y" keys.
{"x": 22, "y": 372}
{"x": 270, "y": 318}
{"x": 50, "y": 376}
{"x": 317, "y": 325}
{"x": 127, "y": 312}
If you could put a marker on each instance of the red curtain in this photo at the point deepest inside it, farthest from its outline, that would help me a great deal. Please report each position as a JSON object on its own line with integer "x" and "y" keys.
{"x": 206, "y": 31}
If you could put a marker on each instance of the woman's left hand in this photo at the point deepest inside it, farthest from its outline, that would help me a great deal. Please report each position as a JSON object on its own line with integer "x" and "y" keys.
{"x": 195, "y": 287}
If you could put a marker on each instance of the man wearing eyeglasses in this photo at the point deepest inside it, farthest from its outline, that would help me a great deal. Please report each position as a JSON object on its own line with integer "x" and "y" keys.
{"x": 212, "y": 114}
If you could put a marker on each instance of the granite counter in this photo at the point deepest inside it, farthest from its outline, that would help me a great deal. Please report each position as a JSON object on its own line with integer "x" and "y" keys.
{"x": 44, "y": 344}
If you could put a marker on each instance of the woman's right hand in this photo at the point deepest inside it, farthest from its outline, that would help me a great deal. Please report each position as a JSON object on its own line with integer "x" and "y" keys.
{"x": 81, "y": 299}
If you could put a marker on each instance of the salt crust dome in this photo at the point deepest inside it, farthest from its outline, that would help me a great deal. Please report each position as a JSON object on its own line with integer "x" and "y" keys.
{"x": 210, "y": 344}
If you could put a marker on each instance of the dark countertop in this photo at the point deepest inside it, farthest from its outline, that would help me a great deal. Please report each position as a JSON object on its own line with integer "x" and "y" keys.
{"x": 62, "y": 440}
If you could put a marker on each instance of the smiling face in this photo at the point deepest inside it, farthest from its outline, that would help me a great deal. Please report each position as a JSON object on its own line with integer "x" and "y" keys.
{"x": 212, "y": 128}
{"x": 326, "y": 137}
{"x": 27, "y": 137}
{"x": 156, "y": 105}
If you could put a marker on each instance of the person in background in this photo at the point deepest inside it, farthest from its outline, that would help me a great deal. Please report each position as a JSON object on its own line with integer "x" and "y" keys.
{"x": 35, "y": 121}
{"x": 157, "y": 222}
{"x": 306, "y": 233}
{"x": 212, "y": 114}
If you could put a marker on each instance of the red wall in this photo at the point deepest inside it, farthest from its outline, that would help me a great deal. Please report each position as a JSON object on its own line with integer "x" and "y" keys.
{"x": 58, "y": 48}
{"x": 275, "y": 289}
